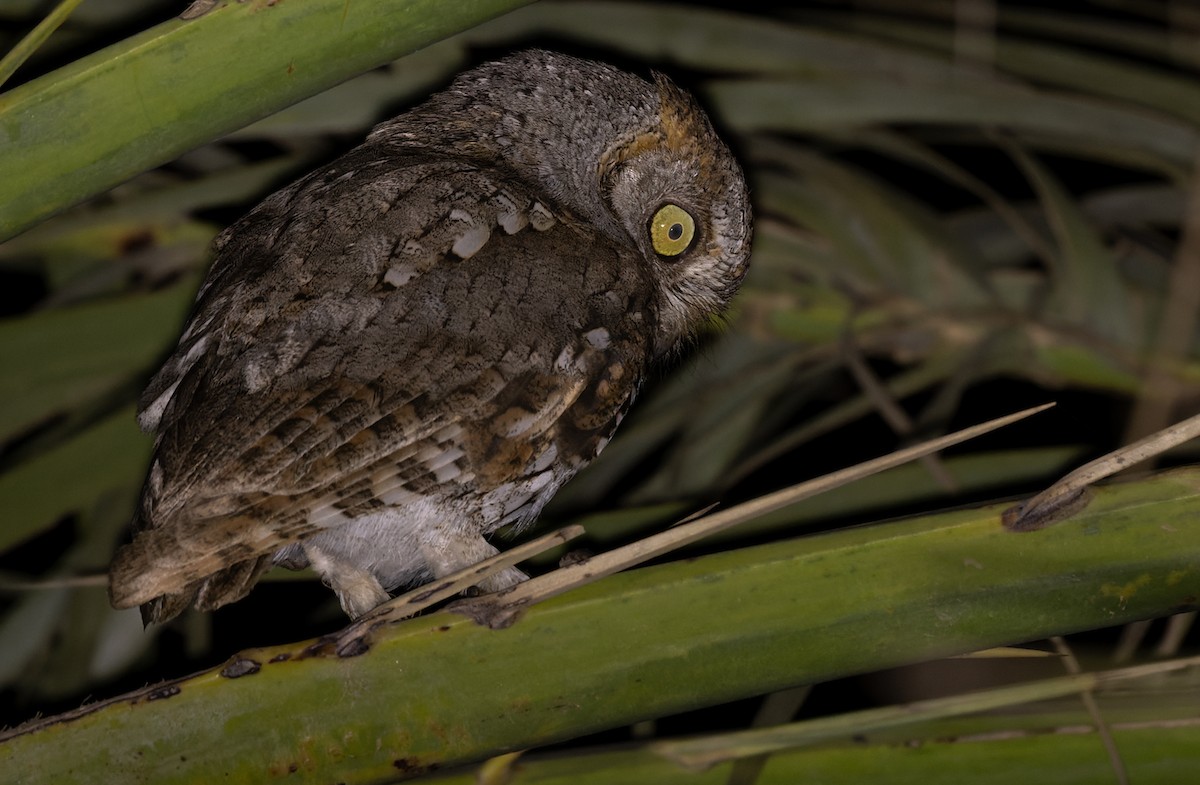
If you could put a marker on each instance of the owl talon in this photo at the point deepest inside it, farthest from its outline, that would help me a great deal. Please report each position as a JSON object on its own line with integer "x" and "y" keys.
{"x": 358, "y": 590}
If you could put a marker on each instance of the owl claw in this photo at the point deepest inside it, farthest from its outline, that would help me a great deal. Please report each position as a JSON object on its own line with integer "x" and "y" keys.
{"x": 358, "y": 590}
{"x": 488, "y": 610}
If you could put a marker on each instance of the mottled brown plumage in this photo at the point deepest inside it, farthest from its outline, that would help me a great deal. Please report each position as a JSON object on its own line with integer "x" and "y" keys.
{"x": 421, "y": 342}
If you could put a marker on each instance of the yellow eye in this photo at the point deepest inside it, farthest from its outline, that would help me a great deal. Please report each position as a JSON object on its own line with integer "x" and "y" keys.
{"x": 672, "y": 230}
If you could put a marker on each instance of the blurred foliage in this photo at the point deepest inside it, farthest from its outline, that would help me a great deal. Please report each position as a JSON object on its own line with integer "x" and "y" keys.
{"x": 961, "y": 207}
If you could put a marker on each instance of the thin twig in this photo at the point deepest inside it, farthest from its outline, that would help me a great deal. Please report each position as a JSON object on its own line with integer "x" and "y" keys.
{"x": 413, "y": 602}
{"x": 10, "y": 582}
{"x": 891, "y": 412}
{"x": 501, "y": 608}
{"x": 776, "y": 709}
{"x": 1093, "y": 709}
{"x": 1048, "y": 506}
{"x": 35, "y": 38}
{"x": 1132, "y": 635}
{"x": 1173, "y": 637}
{"x": 707, "y": 751}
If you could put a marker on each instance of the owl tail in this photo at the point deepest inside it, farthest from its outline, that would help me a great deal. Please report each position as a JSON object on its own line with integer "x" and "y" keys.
{"x": 217, "y": 565}
{"x": 221, "y": 588}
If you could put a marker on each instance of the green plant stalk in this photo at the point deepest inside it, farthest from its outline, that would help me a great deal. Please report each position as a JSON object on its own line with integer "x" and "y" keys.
{"x": 818, "y": 105}
{"x": 36, "y": 37}
{"x": 704, "y": 752}
{"x": 1155, "y": 755}
{"x": 90, "y": 125}
{"x": 440, "y": 690}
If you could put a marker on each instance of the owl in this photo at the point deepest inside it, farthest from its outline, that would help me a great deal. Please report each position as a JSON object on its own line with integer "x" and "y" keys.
{"x": 419, "y": 343}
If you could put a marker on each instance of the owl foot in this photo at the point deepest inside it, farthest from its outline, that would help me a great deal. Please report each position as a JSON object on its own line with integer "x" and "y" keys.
{"x": 358, "y": 590}
{"x": 354, "y": 640}
{"x": 447, "y": 557}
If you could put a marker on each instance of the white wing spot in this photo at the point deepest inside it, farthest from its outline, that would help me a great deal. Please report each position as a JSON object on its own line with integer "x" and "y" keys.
{"x": 566, "y": 358}
{"x": 445, "y": 474}
{"x": 511, "y": 217}
{"x": 512, "y": 222}
{"x": 514, "y": 421}
{"x": 149, "y": 419}
{"x": 201, "y": 326}
{"x": 541, "y": 218}
{"x": 539, "y": 481}
{"x": 445, "y": 456}
{"x": 471, "y": 241}
{"x": 152, "y": 416}
{"x": 255, "y": 376}
{"x": 547, "y": 457}
{"x": 399, "y": 275}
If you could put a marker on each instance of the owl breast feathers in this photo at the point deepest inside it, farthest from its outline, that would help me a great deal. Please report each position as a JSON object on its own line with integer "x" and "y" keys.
{"x": 421, "y": 342}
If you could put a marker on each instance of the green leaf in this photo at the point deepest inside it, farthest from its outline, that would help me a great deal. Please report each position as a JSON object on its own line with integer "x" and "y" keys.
{"x": 1086, "y": 287}
{"x": 824, "y": 105}
{"x": 72, "y": 476}
{"x": 62, "y": 358}
{"x": 1063, "y": 66}
{"x": 719, "y": 40}
{"x": 142, "y": 102}
{"x": 896, "y": 242}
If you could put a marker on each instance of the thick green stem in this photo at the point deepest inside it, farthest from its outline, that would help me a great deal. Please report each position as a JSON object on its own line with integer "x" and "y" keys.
{"x": 88, "y": 126}
{"x": 441, "y": 690}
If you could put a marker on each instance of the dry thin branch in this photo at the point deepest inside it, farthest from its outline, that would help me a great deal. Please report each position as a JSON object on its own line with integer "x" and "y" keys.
{"x": 1061, "y": 499}
{"x": 1120, "y": 773}
{"x": 896, "y": 418}
{"x": 500, "y": 609}
{"x": 413, "y": 602}
{"x": 708, "y": 751}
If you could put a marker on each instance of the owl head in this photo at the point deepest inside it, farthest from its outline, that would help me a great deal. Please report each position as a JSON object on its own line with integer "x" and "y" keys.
{"x": 636, "y": 160}
{"x": 681, "y": 198}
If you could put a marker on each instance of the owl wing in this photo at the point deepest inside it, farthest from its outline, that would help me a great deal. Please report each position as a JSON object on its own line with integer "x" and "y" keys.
{"x": 429, "y": 333}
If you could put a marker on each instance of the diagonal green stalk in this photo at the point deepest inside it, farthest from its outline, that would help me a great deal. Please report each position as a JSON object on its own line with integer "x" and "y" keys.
{"x": 708, "y": 751}
{"x": 90, "y": 125}
{"x": 441, "y": 690}
{"x": 36, "y": 37}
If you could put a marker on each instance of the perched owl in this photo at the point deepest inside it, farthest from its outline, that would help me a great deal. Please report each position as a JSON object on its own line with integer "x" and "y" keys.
{"x": 421, "y": 342}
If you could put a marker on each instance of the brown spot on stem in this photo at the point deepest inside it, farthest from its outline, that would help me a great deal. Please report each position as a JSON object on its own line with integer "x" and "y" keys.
{"x": 240, "y": 666}
{"x": 164, "y": 692}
